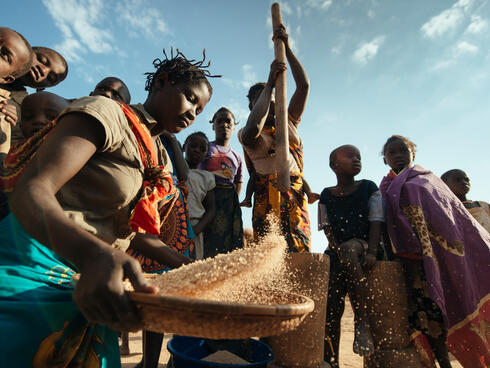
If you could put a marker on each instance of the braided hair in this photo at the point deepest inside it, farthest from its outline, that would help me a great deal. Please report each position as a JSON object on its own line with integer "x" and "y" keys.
{"x": 180, "y": 70}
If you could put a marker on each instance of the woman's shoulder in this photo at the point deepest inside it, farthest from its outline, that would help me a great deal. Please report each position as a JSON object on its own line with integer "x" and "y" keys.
{"x": 107, "y": 112}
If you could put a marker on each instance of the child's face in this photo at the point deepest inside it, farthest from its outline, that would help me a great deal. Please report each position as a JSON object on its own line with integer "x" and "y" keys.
{"x": 459, "y": 183}
{"x": 38, "y": 110}
{"x": 224, "y": 125}
{"x": 13, "y": 54}
{"x": 48, "y": 69}
{"x": 398, "y": 155}
{"x": 196, "y": 150}
{"x": 348, "y": 161}
{"x": 113, "y": 89}
{"x": 175, "y": 106}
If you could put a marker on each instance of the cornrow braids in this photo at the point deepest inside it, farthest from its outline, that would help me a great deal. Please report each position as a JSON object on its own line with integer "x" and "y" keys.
{"x": 256, "y": 88}
{"x": 411, "y": 146}
{"x": 196, "y": 134}
{"x": 223, "y": 109}
{"x": 180, "y": 70}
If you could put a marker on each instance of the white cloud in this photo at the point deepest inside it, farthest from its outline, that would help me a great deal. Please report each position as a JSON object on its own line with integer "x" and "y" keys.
{"x": 477, "y": 25}
{"x": 447, "y": 20}
{"x": 443, "y": 64}
{"x": 77, "y": 21}
{"x": 299, "y": 11}
{"x": 249, "y": 76}
{"x": 268, "y": 21}
{"x": 371, "y": 13}
{"x": 464, "y": 47}
{"x": 142, "y": 18}
{"x": 319, "y": 4}
{"x": 285, "y": 8}
{"x": 240, "y": 110}
{"x": 84, "y": 24}
{"x": 368, "y": 50}
{"x": 336, "y": 50}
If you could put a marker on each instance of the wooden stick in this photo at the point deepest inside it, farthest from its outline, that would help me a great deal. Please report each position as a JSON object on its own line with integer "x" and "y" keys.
{"x": 281, "y": 112}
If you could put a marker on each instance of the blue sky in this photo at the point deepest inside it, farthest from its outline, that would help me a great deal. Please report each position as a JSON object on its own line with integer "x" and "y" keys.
{"x": 377, "y": 67}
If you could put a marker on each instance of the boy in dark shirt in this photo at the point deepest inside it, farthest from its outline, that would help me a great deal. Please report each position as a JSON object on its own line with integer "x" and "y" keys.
{"x": 351, "y": 215}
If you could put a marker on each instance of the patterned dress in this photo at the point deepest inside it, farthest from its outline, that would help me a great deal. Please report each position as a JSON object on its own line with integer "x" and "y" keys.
{"x": 429, "y": 224}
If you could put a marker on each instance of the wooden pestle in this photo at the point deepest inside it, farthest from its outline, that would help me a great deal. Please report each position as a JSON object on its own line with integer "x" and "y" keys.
{"x": 282, "y": 139}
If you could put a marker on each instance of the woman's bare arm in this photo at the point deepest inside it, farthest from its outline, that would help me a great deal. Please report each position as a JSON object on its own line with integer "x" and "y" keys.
{"x": 152, "y": 247}
{"x": 258, "y": 115}
{"x": 298, "y": 100}
{"x": 99, "y": 292}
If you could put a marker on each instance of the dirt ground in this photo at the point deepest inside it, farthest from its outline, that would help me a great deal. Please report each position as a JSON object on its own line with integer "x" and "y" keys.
{"x": 347, "y": 357}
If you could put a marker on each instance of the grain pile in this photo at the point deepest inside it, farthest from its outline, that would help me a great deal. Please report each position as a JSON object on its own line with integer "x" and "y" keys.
{"x": 248, "y": 275}
{"x": 224, "y": 357}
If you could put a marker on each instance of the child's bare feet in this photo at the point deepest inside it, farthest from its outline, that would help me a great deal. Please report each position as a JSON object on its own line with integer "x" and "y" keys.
{"x": 363, "y": 341}
{"x": 247, "y": 202}
{"x": 312, "y": 197}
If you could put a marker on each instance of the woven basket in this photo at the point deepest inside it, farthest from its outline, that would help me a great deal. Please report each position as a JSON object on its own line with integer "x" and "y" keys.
{"x": 220, "y": 320}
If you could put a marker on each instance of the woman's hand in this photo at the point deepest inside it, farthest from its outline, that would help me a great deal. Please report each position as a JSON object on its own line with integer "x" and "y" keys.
{"x": 277, "y": 67}
{"x": 9, "y": 111}
{"x": 100, "y": 294}
{"x": 280, "y": 33}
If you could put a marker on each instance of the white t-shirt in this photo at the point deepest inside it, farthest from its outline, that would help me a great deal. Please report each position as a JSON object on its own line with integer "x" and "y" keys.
{"x": 199, "y": 183}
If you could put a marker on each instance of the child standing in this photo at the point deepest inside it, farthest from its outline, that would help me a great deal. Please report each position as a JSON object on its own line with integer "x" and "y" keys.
{"x": 459, "y": 183}
{"x": 351, "y": 215}
{"x": 200, "y": 201}
{"x": 446, "y": 257}
{"x": 226, "y": 231}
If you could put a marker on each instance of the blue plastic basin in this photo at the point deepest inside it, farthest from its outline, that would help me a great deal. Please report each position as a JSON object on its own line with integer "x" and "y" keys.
{"x": 187, "y": 352}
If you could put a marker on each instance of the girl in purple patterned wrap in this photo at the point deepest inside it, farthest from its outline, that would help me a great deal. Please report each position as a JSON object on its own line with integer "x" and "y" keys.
{"x": 446, "y": 257}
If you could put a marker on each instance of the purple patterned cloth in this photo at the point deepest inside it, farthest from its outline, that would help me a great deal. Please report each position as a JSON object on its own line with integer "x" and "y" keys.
{"x": 426, "y": 220}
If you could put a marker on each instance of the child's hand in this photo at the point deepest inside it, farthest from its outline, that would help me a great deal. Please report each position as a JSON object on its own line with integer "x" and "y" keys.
{"x": 312, "y": 197}
{"x": 277, "y": 67}
{"x": 247, "y": 202}
{"x": 369, "y": 261}
{"x": 10, "y": 112}
{"x": 280, "y": 33}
